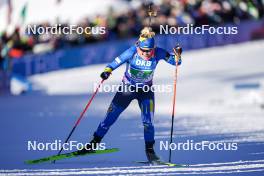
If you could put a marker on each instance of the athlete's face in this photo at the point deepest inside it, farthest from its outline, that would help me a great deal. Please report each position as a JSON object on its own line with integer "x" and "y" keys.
{"x": 145, "y": 53}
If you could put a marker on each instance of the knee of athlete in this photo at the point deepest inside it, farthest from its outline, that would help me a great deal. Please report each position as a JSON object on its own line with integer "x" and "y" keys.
{"x": 114, "y": 108}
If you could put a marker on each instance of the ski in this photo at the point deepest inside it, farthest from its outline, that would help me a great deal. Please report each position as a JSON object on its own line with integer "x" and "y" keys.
{"x": 69, "y": 155}
{"x": 162, "y": 163}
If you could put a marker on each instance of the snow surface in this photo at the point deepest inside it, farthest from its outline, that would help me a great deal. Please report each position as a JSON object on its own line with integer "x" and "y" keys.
{"x": 209, "y": 107}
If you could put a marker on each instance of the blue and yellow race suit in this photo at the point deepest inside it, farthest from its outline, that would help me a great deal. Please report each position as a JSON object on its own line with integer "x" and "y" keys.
{"x": 138, "y": 72}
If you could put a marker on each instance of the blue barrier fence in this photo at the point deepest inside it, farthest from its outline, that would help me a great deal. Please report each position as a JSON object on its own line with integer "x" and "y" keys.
{"x": 107, "y": 51}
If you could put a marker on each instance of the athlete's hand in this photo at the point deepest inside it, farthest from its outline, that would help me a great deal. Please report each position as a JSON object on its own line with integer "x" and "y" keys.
{"x": 106, "y": 73}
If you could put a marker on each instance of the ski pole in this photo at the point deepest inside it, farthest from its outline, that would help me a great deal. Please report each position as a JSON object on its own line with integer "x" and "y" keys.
{"x": 81, "y": 116}
{"x": 177, "y": 52}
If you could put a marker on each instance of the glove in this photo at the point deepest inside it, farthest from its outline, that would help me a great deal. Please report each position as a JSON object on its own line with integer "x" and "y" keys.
{"x": 106, "y": 73}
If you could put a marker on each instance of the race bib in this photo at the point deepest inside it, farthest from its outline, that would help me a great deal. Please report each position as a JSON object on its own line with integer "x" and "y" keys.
{"x": 141, "y": 75}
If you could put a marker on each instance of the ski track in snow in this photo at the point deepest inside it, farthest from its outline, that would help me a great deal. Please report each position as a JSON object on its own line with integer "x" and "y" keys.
{"x": 196, "y": 169}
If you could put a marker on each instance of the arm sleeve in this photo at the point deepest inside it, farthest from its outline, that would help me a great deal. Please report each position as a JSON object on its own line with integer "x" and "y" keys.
{"x": 168, "y": 57}
{"x": 124, "y": 57}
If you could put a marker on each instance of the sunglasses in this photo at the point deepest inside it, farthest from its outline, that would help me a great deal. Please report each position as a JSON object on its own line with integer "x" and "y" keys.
{"x": 146, "y": 51}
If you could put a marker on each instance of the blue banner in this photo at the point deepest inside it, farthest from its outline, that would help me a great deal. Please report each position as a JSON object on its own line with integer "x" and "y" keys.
{"x": 106, "y": 51}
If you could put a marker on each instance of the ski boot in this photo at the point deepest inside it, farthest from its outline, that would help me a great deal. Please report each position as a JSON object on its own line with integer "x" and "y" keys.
{"x": 150, "y": 153}
{"x": 91, "y": 146}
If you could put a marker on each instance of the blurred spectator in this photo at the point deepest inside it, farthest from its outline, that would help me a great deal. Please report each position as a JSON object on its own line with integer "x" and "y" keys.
{"x": 1, "y": 57}
{"x": 129, "y": 24}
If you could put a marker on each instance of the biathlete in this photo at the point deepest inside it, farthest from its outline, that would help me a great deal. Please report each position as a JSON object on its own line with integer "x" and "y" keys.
{"x": 141, "y": 60}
